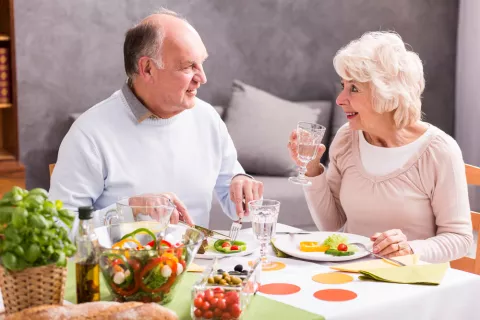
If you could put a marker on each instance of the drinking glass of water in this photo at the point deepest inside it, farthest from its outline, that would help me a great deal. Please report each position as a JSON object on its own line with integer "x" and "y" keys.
{"x": 309, "y": 138}
{"x": 264, "y": 215}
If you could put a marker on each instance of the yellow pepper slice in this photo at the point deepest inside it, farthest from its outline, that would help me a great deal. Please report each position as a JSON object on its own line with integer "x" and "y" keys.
{"x": 122, "y": 242}
{"x": 312, "y": 246}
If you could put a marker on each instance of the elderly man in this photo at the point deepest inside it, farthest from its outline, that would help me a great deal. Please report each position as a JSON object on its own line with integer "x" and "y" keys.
{"x": 154, "y": 135}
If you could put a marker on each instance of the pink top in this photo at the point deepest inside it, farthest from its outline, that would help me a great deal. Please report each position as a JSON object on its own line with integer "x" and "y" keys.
{"x": 426, "y": 198}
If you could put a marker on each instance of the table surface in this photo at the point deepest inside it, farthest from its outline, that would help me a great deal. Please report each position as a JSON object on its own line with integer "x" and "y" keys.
{"x": 454, "y": 298}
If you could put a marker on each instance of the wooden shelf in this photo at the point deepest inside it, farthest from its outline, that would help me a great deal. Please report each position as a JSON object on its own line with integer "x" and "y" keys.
{"x": 5, "y": 155}
{"x": 5, "y": 105}
{"x": 4, "y": 37}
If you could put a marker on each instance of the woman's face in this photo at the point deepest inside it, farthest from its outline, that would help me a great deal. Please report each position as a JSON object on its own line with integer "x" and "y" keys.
{"x": 356, "y": 101}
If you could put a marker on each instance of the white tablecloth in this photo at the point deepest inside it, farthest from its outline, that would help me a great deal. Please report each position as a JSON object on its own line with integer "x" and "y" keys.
{"x": 456, "y": 298}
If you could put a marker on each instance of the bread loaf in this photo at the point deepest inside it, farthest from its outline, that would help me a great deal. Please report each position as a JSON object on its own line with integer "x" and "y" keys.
{"x": 96, "y": 311}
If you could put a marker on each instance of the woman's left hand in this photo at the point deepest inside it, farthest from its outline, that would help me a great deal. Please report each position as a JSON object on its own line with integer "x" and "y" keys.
{"x": 391, "y": 243}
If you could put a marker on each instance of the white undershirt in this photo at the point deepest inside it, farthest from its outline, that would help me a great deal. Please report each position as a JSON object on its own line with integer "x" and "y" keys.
{"x": 380, "y": 161}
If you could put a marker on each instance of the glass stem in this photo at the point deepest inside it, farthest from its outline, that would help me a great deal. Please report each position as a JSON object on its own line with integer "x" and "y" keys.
{"x": 301, "y": 172}
{"x": 263, "y": 251}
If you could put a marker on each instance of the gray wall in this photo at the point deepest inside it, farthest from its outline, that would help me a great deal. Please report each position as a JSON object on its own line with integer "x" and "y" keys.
{"x": 70, "y": 54}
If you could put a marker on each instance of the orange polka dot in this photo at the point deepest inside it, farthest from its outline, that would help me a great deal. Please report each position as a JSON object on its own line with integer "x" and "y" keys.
{"x": 335, "y": 295}
{"x": 279, "y": 288}
{"x": 332, "y": 278}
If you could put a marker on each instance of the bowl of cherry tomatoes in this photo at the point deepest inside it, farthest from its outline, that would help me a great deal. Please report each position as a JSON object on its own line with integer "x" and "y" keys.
{"x": 225, "y": 295}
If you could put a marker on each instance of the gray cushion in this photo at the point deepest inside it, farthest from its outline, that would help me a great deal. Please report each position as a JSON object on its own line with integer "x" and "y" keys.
{"x": 260, "y": 124}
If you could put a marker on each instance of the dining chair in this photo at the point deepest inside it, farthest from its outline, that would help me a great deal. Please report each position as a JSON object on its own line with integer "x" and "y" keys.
{"x": 51, "y": 167}
{"x": 468, "y": 264}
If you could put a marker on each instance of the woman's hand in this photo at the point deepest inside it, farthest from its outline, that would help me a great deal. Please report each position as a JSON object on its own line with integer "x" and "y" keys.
{"x": 391, "y": 243}
{"x": 313, "y": 167}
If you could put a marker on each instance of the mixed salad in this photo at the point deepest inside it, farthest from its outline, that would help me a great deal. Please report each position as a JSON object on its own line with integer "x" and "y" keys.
{"x": 335, "y": 245}
{"x": 136, "y": 272}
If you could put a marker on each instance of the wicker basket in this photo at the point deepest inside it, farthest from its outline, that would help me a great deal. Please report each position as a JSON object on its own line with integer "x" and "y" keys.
{"x": 32, "y": 287}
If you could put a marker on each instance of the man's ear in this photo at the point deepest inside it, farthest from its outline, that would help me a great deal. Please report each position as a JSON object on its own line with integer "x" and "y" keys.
{"x": 145, "y": 67}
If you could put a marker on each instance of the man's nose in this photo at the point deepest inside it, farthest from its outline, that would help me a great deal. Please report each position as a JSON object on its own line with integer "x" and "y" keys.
{"x": 200, "y": 77}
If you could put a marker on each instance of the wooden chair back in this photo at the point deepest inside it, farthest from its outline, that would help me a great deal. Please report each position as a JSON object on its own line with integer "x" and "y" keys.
{"x": 468, "y": 264}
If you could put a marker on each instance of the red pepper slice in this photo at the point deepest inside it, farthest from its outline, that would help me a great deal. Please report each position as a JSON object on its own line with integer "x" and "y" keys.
{"x": 128, "y": 292}
{"x": 152, "y": 264}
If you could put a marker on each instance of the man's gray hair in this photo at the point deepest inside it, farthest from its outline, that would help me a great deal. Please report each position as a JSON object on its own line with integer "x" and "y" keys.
{"x": 144, "y": 40}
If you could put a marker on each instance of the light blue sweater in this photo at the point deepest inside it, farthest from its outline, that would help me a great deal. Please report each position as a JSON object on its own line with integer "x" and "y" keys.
{"x": 108, "y": 153}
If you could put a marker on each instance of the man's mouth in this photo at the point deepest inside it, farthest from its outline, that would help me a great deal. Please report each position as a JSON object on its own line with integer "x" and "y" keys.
{"x": 351, "y": 115}
{"x": 192, "y": 92}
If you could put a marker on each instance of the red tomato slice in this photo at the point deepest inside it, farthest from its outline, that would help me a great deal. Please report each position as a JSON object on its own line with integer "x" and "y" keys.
{"x": 226, "y": 244}
{"x": 234, "y": 247}
{"x": 342, "y": 247}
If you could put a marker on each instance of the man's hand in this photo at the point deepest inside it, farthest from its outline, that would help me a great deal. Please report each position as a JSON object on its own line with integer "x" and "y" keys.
{"x": 391, "y": 243}
{"x": 156, "y": 206}
{"x": 244, "y": 188}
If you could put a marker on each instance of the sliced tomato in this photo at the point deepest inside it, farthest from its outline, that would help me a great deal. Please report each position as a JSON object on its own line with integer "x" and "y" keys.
{"x": 234, "y": 248}
{"x": 226, "y": 244}
{"x": 342, "y": 247}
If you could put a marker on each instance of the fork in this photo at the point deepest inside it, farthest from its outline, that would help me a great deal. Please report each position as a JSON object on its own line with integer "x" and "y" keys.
{"x": 361, "y": 245}
{"x": 236, "y": 226}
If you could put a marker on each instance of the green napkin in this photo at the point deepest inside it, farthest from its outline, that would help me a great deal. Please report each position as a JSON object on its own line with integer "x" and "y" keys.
{"x": 428, "y": 274}
{"x": 277, "y": 251}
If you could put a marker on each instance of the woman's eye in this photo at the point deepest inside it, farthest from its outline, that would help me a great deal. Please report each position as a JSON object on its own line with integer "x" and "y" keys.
{"x": 343, "y": 86}
{"x": 354, "y": 89}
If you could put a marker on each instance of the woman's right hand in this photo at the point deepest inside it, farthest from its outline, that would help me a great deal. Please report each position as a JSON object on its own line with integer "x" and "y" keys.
{"x": 314, "y": 168}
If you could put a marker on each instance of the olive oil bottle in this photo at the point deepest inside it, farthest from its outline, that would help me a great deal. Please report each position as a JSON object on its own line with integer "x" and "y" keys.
{"x": 86, "y": 258}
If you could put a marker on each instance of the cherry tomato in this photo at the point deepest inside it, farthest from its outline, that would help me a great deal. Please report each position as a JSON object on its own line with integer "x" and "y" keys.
{"x": 208, "y": 314}
{"x": 234, "y": 247}
{"x": 222, "y": 304}
{"x": 198, "y": 302}
{"x": 226, "y": 316}
{"x": 198, "y": 313}
{"x": 201, "y": 294}
{"x": 235, "y": 310}
{"x": 208, "y": 295}
{"x": 219, "y": 295}
{"x": 232, "y": 297}
{"x": 217, "y": 312}
{"x": 206, "y": 305}
{"x": 213, "y": 303}
{"x": 218, "y": 290}
{"x": 342, "y": 247}
{"x": 226, "y": 244}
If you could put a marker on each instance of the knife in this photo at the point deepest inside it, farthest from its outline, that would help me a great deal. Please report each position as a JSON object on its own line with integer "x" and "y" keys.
{"x": 210, "y": 233}
{"x": 293, "y": 232}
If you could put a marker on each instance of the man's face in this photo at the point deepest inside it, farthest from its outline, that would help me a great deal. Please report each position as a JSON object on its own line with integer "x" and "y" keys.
{"x": 174, "y": 87}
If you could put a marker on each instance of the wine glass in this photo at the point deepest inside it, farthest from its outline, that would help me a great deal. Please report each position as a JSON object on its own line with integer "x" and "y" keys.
{"x": 309, "y": 138}
{"x": 264, "y": 215}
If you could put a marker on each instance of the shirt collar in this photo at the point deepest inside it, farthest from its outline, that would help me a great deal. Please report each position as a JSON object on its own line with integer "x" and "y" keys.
{"x": 138, "y": 108}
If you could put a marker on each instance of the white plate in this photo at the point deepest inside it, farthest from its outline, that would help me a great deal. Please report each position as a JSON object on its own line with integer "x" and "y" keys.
{"x": 248, "y": 238}
{"x": 290, "y": 244}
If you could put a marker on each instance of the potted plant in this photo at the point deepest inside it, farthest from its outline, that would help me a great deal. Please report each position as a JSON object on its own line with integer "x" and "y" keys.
{"x": 34, "y": 247}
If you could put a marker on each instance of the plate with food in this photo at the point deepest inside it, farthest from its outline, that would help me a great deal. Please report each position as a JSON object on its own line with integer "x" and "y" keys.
{"x": 216, "y": 246}
{"x": 322, "y": 246}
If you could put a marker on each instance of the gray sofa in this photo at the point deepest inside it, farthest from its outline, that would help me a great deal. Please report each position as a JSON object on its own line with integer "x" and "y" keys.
{"x": 260, "y": 124}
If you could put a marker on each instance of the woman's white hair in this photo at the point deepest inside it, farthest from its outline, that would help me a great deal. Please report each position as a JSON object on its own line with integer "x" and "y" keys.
{"x": 394, "y": 73}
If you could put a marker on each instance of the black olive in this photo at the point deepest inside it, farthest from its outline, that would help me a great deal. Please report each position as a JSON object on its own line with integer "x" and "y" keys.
{"x": 238, "y": 268}
{"x": 220, "y": 271}
{"x": 245, "y": 271}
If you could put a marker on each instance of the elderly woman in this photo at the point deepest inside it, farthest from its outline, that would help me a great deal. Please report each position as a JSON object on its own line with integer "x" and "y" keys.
{"x": 391, "y": 176}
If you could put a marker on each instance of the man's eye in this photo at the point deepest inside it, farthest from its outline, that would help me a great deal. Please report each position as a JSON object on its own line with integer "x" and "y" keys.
{"x": 354, "y": 89}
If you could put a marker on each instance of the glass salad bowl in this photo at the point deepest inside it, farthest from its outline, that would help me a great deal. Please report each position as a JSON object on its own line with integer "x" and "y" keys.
{"x": 143, "y": 261}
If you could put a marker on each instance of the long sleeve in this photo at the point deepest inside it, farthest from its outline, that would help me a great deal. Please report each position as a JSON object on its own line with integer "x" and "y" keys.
{"x": 443, "y": 175}
{"x": 323, "y": 196}
{"x": 77, "y": 179}
{"x": 230, "y": 167}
